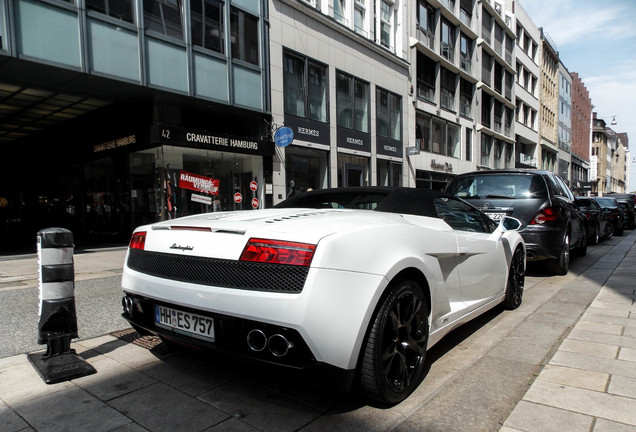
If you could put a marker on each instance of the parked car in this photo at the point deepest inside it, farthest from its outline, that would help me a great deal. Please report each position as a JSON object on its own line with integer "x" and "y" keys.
{"x": 613, "y": 211}
{"x": 597, "y": 222}
{"x": 629, "y": 206}
{"x": 552, "y": 226}
{"x": 628, "y": 213}
{"x": 359, "y": 281}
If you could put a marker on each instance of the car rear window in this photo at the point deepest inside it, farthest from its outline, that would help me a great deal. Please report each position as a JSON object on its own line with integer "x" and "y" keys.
{"x": 507, "y": 185}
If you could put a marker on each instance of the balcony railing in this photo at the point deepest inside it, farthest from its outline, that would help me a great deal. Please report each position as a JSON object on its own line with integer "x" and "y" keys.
{"x": 465, "y": 63}
{"x": 426, "y": 38}
{"x": 447, "y": 100}
{"x": 465, "y": 107}
{"x": 447, "y": 52}
{"x": 425, "y": 91}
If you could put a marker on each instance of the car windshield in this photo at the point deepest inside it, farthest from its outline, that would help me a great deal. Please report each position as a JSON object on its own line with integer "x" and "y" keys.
{"x": 507, "y": 186}
{"x": 607, "y": 202}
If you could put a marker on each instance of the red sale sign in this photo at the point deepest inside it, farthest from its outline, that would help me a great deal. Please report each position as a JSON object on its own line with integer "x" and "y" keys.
{"x": 198, "y": 183}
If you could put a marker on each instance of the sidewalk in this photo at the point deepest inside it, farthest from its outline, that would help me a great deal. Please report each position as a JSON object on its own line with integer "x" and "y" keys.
{"x": 588, "y": 384}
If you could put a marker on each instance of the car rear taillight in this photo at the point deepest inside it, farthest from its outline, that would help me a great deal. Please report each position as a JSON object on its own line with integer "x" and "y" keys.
{"x": 546, "y": 215}
{"x": 278, "y": 252}
{"x": 138, "y": 240}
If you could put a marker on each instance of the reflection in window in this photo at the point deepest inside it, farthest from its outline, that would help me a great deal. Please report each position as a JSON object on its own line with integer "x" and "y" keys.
{"x": 389, "y": 114}
{"x": 164, "y": 16}
{"x": 386, "y": 17}
{"x": 244, "y": 36}
{"x": 120, "y": 9}
{"x": 352, "y": 102}
{"x": 312, "y": 102}
{"x": 207, "y": 24}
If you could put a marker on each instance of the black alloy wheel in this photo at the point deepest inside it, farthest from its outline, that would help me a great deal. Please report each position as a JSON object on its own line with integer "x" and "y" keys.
{"x": 394, "y": 352}
{"x": 516, "y": 280}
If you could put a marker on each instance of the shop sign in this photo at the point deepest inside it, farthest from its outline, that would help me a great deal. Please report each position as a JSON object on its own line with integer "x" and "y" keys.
{"x": 354, "y": 140}
{"x": 255, "y": 202}
{"x": 253, "y": 186}
{"x": 212, "y": 141}
{"x": 238, "y": 198}
{"x": 446, "y": 167}
{"x": 198, "y": 183}
{"x": 389, "y": 147}
{"x": 201, "y": 199}
{"x": 308, "y": 130}
{"x": 113, "y": 144}
{"x": 283, "y": 137}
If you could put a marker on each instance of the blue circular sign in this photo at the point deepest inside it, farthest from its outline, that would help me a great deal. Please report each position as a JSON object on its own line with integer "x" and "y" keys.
{"x": 283, "y": 137}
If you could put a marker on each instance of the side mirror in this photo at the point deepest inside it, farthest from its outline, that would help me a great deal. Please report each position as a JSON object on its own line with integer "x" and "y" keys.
{"x": 506, "y": 223}
{"x": 510, "y": 224}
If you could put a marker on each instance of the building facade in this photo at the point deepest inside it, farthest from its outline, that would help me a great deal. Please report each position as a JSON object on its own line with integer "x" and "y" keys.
{"x": 608, "y": 163}
{"x": 340, "y": 82}
{"x": 565, "y": 124}
{"x": 581, "y": 136}
{"x": 526, "y": 89}
{"x": 136, "y": 111}
{"x": 549, "y": 100}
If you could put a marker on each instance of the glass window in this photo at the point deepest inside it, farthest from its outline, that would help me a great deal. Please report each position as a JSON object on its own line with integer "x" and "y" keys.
{"x": 448, "y": 89}
{"x": 362, "y": 102}
{"x": 317, "y": 92}
{"x": 312, "y": 103}
{"x": 120, "y": 9}
{"x": 447, "y": 46}
{"x": 426, "y": 17}
{"x": 207, "y": 24}
{"x": 461, "y": 216}
{"x": 465, "y": 98}
{"x": 439, "y": 136}
{"x": 452, "y": 140}
{"x": 244, "y": 36}
{"x": 388, "y": 114}
{"x": 386, "y": 15}
{"x": 164, "y": 16}
{"x": 294, "y": 71}
{"x": 469, "y": 144}
{"x": 344, "y": 100}
{"x": 425, "y": 77}
{"x": 352, "y": 102}
{"x": 423, "y": 132}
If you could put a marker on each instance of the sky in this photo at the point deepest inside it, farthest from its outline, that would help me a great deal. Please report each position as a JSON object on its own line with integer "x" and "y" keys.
{"x": 597, "y": 39}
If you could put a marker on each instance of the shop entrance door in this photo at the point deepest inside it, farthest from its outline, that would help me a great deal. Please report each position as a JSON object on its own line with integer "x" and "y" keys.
{"x": 354, "y": 175}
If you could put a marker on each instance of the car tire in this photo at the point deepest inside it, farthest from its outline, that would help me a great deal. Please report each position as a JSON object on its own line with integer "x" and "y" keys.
{"x": 619, "y": 231}
{"x": 395, "y": 348}
{"x": 516, "y": 280}
{"x": 561, "y": 264}
{"x": 595, "y": 238}
{"x": 609, "y": 231}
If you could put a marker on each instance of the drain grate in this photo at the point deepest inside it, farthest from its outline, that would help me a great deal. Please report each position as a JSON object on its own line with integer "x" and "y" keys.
{"x": 152, "y": 343}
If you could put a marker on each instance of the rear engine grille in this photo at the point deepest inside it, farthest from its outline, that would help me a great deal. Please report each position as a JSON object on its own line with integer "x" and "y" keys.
{"x": 219, "y": 272}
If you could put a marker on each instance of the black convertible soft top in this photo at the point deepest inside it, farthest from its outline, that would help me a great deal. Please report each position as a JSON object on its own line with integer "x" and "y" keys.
{"x": 404, "y": 200}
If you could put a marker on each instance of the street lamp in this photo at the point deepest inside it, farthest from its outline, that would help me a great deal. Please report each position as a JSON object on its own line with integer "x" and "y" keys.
{"x": 614, "y": 122}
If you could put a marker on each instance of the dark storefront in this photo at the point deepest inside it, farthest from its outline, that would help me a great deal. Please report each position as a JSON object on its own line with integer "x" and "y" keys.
{"x": 127, "y": 165}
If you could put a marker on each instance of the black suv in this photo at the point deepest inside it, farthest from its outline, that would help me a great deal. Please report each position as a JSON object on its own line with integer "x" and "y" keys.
{"x": 552, "y": 226}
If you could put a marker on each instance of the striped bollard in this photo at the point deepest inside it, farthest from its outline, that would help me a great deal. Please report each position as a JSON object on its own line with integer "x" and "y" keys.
{"x": 58, "y": 320}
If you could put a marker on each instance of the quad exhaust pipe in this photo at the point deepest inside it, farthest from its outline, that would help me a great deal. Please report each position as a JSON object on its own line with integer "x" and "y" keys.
{"x": 277, "y": 344}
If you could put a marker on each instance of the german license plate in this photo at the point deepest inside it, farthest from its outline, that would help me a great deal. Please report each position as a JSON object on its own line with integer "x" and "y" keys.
{"x": 194, "y": 325}
{"x": 496, "y": 216}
